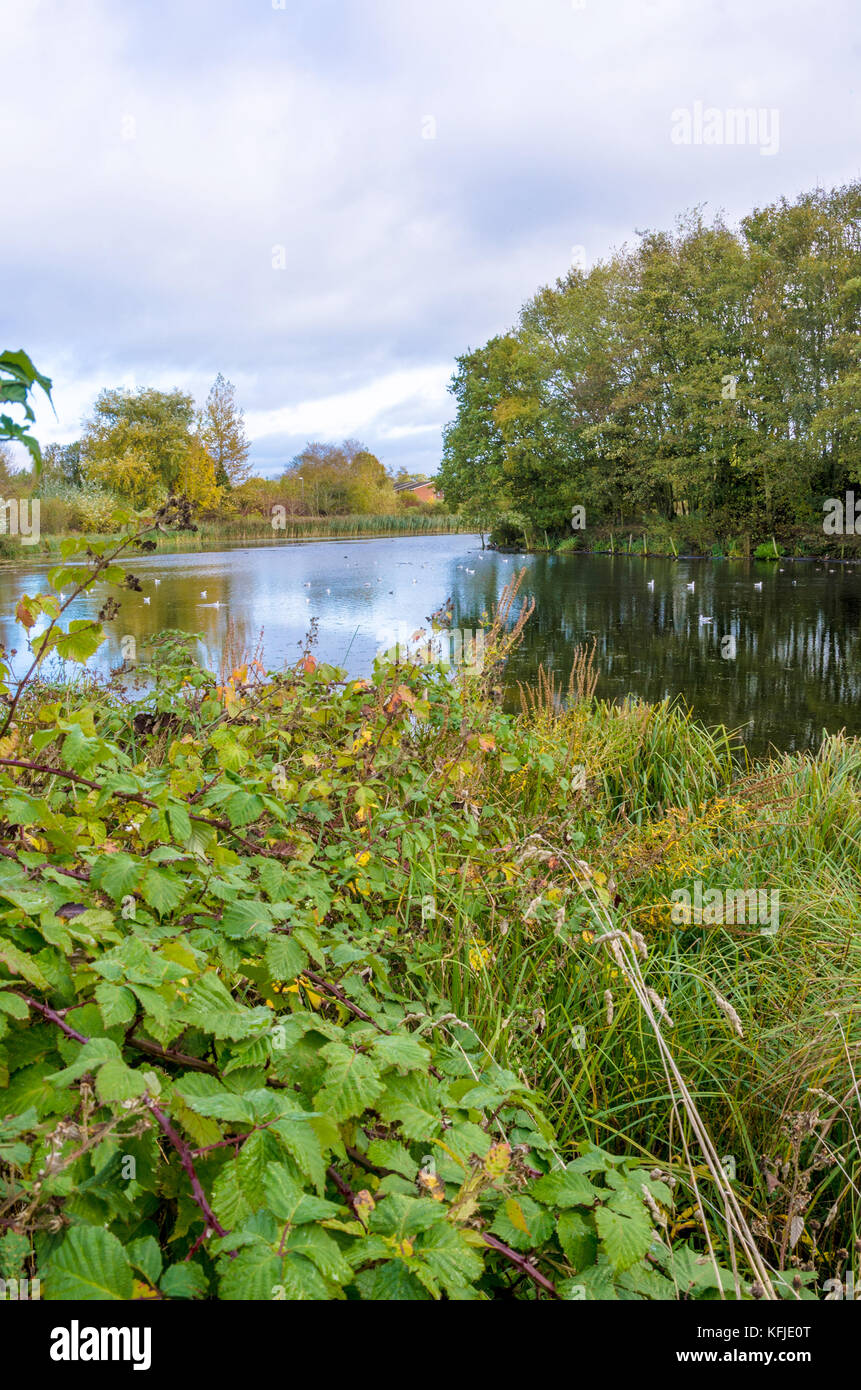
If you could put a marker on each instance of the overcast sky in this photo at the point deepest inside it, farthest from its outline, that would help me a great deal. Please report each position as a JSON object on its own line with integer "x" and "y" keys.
{"x": 328, "y": 200}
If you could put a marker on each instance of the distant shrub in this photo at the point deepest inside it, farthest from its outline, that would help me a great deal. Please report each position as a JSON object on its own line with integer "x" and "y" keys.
{"x": 769, "y": 550}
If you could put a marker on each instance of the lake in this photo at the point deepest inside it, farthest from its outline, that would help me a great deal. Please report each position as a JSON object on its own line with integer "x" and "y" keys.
{"x": 770, "y": 649}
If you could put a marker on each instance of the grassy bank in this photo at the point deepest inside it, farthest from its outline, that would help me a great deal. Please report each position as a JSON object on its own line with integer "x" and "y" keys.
{"x": 212, "y": 535}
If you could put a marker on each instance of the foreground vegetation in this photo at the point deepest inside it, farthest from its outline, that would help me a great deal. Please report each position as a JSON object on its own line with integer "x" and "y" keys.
{"x": 317, "y": 988}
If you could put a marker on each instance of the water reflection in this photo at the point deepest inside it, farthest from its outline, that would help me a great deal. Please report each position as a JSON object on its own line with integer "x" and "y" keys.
{"x": 772, "y": 649}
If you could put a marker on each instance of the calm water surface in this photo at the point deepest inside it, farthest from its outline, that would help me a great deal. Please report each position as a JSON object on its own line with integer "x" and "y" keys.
{"x": 797, "y": 663}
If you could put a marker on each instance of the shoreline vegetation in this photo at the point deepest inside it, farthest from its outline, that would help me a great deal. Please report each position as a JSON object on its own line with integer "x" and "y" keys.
{"x": 700, "y": 386}
{"x": 688, "y": 543}
{"x": 212, "y": 534}
{"x": 385, "y": 993}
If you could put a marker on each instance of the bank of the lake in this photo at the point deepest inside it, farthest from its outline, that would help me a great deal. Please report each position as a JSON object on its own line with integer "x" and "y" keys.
{"x": 238, "y": 530}
{"x": 770, "y": 649}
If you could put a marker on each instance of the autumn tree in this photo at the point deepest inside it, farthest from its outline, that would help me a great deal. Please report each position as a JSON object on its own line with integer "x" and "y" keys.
{"x": 221, "y": 427}
{"x": 137, "y": 442}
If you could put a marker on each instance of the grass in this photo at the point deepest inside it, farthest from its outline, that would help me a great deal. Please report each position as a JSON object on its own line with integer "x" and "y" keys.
{"x": 765, "y": 1029}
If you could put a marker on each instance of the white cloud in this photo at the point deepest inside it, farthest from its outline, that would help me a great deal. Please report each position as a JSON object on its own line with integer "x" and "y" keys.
{"x": 152, "y": 160}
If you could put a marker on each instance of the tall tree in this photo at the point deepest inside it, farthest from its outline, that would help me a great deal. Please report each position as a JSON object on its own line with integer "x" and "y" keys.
{"x": 222, "y": 430}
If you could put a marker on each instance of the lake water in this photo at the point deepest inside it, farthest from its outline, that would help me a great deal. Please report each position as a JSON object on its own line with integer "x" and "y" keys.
{"x": 780, "y": 662}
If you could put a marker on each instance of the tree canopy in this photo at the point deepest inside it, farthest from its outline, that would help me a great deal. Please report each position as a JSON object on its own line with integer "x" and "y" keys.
{"x": 709, "y": 370}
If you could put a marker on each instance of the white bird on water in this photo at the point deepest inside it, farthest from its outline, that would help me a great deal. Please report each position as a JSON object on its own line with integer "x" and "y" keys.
{"x": 203, "y": 593}
{"x": 690, "y": 586}
{"x": 146, "y": 599}
{"x": 703, "y": 619}
{"x": 758, "y": 584}
{"x": 156, "y": 582}
{"x": 651, "y": 584}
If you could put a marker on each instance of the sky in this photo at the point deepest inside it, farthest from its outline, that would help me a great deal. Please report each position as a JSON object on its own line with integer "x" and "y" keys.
{"x": 329, "y": 200}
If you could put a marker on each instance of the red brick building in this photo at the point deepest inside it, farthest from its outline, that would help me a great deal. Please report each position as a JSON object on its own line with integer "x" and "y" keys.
{"x": 425, "y": 492}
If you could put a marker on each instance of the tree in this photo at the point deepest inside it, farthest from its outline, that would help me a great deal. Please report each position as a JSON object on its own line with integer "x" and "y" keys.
{"x": 339, "y": 480}
{"x": 137, "y": 442}
{"x": 61, "y": 463}
{"x": 198, "y": 480}
{"x": 222, "y": 429}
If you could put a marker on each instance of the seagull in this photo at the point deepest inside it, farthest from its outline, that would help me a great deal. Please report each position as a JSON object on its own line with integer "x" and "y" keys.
{"x": 203, "y": 593}
{"x": 651, "y": 584}
{"x": 705, "y": 620}
{"x": 328, "y": 591}
{"x": 690, "y": 586}
{"x": 156, "y": 582}
{"x": 758, "y": 584}
{"x": 146, "y": 599}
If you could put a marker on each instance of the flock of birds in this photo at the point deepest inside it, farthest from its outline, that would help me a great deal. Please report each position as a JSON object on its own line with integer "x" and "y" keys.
{"x": 442, "y": 617}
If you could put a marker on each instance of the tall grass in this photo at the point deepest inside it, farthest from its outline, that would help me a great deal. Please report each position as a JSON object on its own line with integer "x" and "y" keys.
{"x": 746, "y": 1052}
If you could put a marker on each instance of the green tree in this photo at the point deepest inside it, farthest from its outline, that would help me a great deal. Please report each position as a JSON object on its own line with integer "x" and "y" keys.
{"x": 137, "y": 442}
{"x": 222, "y": 430}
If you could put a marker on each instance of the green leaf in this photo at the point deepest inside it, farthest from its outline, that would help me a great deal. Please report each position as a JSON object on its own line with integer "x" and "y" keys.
{"x": 117, "y": 1082}
{"x": 163, "y": 892}
{"x": 186, "y": 1280}
{"x": 400, "y": 1050}
{"x": 179, "y": 822}
{"x": 625, "y": 1236}
{"x": 352, "y": 1082}
{"x": 413, "y": 1102}
{"x": 117, "y": 874}
{"x": 145, "y": 1255}
{"x": 11, "y": 1004}
{"x": 90, "y": 1264}
{"x": 247, "y": 919}
{"x": 116, "y": 1004}
{"x": 285, "y": 958}
{"x": 17, "y": 962}
{"x": 564, "y": 1189}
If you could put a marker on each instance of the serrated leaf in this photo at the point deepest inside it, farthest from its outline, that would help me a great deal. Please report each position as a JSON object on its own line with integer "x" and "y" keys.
{"x": 625, "y": 1237}
{"x": 352, "y": 1082}
{"x": 116, "y": 1082}
{"x": 90, "y": 1264}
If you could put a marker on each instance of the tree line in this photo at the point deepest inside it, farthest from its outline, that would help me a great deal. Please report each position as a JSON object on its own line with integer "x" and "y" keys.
{"x": 709, "y": 372}
{"x": 140, "y": 447}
